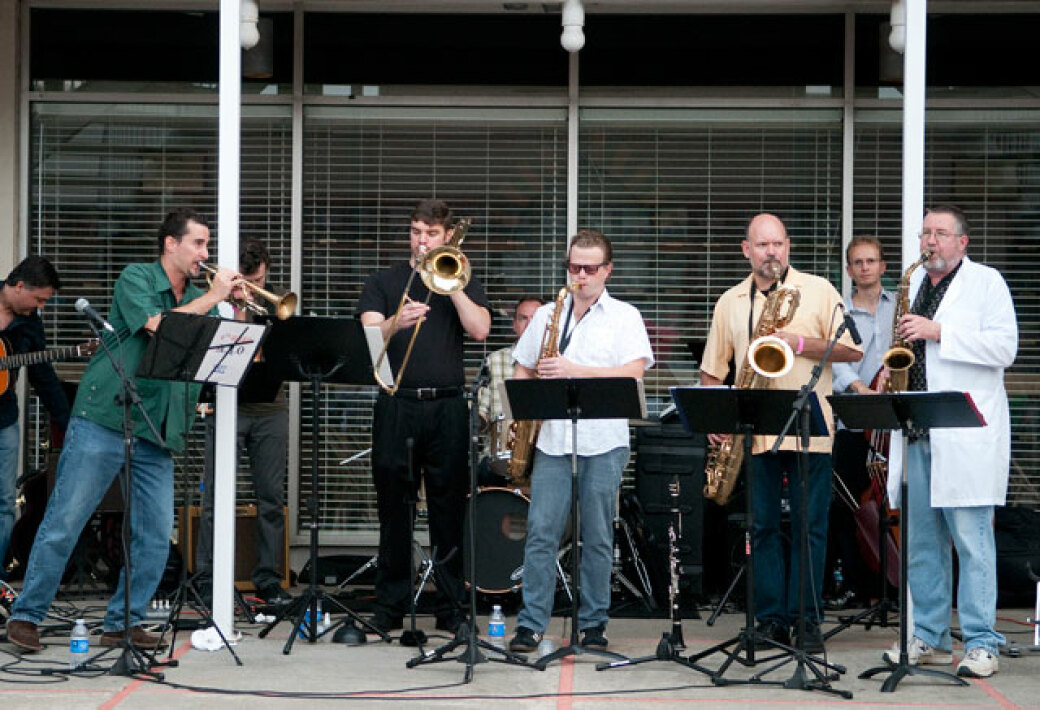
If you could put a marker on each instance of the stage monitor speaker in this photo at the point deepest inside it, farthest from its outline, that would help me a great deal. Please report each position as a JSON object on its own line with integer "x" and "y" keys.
{"x": 664, "y": 451}
{"x": 245, "y": 544}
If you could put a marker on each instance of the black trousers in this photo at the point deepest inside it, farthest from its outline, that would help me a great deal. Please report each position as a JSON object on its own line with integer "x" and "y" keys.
{"x": 850, "y": 464}
{"x": 439, "y": 430}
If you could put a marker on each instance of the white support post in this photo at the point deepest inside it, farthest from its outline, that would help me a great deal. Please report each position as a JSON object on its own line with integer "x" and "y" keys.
{"x": 913, "y": 127}
{"x": 226, "y": 459}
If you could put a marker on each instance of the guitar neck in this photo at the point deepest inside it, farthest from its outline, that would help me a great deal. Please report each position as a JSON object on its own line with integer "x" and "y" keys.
{"x": 13, "y": 362}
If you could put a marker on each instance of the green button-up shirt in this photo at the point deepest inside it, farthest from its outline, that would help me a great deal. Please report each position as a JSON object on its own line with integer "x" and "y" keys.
{"x": 141, "y": 291}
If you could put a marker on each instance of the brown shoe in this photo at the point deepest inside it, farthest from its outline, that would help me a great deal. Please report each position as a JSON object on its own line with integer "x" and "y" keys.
{"x": 24, "y": 635}
{"x": 138, "y": 636}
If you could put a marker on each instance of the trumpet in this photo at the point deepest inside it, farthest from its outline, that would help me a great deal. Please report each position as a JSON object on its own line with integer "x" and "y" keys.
{"x": 444, "y": 270}
{"x": 284, "y": 305}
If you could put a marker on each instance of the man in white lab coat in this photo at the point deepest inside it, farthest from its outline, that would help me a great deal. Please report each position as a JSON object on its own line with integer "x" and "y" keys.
{"x": 964, "y": 333}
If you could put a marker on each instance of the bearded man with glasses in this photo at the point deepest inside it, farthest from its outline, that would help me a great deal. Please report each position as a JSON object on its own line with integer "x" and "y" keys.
{"x": 599, "y": 336}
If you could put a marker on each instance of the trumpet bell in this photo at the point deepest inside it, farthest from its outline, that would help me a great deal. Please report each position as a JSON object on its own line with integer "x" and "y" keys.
{"x": 769, "y": 356}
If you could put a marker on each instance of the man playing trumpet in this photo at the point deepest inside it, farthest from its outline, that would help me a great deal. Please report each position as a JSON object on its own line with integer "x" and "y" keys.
{"x": 93, "y": 452}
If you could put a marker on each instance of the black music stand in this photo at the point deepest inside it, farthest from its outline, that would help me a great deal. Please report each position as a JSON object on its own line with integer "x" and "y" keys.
{"x": 906, "y": 411}
{"x": 749, "y": 412}
{"x": 316, "y": 350}
{"x": 574, "y": 399}
{"x": 192, "y": 348}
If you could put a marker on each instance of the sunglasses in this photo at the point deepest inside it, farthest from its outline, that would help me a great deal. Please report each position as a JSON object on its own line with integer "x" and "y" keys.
{"x": 590, "y": 269}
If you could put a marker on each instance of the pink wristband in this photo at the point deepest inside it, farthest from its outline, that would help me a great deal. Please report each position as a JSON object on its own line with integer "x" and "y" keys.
{"x": 801, "y": 345}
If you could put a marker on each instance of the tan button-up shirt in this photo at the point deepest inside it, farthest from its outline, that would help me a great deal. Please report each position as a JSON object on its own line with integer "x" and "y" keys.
{"x": 817, "y": 317}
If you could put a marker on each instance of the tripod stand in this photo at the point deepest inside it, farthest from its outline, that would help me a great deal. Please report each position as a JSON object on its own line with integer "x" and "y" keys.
{"x": 878, "y": 612}
{"x": 906, "y": 412}
{"x": 316, "y": 350}
{"x": 466, "y": 635}
{"x": 198, "y": 348}
{"x": 671, "y": 644}
{"x": 575, "y": 399}
{"x": 746, "y": 412}
{"x": 132, "y": 661}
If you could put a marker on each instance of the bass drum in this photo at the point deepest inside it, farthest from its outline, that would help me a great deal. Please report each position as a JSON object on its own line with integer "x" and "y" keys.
{"x": 501, "y": 533}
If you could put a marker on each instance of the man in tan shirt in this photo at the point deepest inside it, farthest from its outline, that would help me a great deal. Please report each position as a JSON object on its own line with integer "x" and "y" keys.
{"x": 767, "y": 248}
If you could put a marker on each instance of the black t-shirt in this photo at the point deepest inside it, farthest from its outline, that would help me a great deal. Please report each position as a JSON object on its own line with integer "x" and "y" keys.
{"x": 436, "y": 359}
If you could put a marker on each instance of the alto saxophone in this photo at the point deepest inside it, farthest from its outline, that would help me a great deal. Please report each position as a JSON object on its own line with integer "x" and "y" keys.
{"x": 899, "y": 358}
{"x": 523, "y": 434}
{"x": 768, "y": 357}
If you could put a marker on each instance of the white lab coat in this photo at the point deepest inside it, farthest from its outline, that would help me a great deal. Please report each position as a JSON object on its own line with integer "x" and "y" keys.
{"x": 979, "y": 341}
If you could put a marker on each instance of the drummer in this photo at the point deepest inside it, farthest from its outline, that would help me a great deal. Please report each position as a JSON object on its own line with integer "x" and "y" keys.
{"x": 495, "y": 457}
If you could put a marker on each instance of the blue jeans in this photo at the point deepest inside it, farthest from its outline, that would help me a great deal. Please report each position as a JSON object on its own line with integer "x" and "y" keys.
{"x": 9, "y": 446}
{"x": 930, "y": 565}
{"x": 92, "y": 456}
{"x": 776, "y": 583}
{"x": 599, "y": 478}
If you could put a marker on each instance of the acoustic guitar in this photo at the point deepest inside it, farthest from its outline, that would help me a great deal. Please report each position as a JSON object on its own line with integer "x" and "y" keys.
{"x": 10, "y": 361}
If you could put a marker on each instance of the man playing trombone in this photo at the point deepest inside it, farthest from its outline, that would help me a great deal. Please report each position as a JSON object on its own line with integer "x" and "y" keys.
{"x": 423, "y": 414}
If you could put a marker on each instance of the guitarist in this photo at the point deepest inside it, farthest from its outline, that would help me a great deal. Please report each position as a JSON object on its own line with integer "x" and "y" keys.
{"x": 24, "y": 294}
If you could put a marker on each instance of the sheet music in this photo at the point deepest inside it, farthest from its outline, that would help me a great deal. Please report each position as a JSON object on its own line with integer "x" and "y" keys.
{"x": 374, "y": 338}
{"x": 228, "y": 368}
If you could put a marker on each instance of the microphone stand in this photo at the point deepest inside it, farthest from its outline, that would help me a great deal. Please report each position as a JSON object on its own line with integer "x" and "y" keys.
{"x": 801, "y": 413}
{"x": 466, "y": 635}
{"x": 132, "y": 661}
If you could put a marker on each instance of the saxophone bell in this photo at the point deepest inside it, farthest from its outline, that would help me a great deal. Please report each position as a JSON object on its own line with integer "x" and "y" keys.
{"x": 770, "y": 356}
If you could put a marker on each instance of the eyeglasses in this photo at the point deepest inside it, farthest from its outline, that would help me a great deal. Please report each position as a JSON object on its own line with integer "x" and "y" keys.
{"x": 590, "y": 269}
{"x": 939, "y": 234}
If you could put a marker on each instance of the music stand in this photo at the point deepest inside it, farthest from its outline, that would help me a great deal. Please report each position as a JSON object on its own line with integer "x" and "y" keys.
{"x": 748, "y": 412}
{"x": 906, "y": 411}
{"x": 316, "y": 350}
{"x": 575, "y": 399}
{"x": 194, "y": 348}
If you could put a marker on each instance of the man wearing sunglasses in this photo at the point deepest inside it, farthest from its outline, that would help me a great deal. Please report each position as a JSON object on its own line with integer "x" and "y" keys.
{"x": 599, "y": 336}
{"x": 767, "y": 248}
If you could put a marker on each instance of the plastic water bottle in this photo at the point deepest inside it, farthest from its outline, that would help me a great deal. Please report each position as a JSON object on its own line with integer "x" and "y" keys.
{"x": 545, "y": 647}
{"x": 79, "y": 645}
{"x": 839, "y": 580}
{"x": 497, "y": 627}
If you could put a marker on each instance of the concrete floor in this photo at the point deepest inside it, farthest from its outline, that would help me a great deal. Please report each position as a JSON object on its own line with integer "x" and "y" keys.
{"x": 328, "y": 674}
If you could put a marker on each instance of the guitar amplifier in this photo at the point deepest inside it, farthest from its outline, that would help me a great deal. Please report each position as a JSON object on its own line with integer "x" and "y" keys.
{"x": 245, "y": 543}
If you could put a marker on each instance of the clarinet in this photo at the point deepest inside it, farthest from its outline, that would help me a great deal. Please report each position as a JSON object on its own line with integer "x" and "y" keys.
{"x": 673, "y": 568}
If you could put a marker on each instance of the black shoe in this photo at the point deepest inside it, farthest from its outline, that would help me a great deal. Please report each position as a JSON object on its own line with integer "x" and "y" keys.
{"x": 525, "y": 640}
{"x": 449, "y": 622}
{"x": 273, "y": 594}
{"x": 594, "y": 637}
{"x": 813, "y": 640}
{"x": 386, "y": 623}
{"x": 773, "y": 631}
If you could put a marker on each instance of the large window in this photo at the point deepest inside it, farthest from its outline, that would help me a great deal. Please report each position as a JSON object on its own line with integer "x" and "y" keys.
{"x": 103, "y": 176}
{"x": 363, "y": 172}
{"x": 987, "y": 163}
{"x": 674, "y": 191}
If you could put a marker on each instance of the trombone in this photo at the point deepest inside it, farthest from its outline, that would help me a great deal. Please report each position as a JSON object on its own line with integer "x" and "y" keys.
{"x": 284, "y": 305}
{"x": 444, "y": 270}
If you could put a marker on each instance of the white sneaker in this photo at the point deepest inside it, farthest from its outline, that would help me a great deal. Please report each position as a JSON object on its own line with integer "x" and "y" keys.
{"x": 919, "y": 653}
{"x": 978, "y": 663}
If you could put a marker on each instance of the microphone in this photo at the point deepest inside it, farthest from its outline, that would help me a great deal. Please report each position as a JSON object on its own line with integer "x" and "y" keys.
{"x": 850, "y": 323}
{"x": 84, "y": 307}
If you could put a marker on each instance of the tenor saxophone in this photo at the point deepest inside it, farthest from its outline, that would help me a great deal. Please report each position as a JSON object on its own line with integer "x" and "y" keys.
{"x": 768, "y": 357}
{"x": 523, "y": 434}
